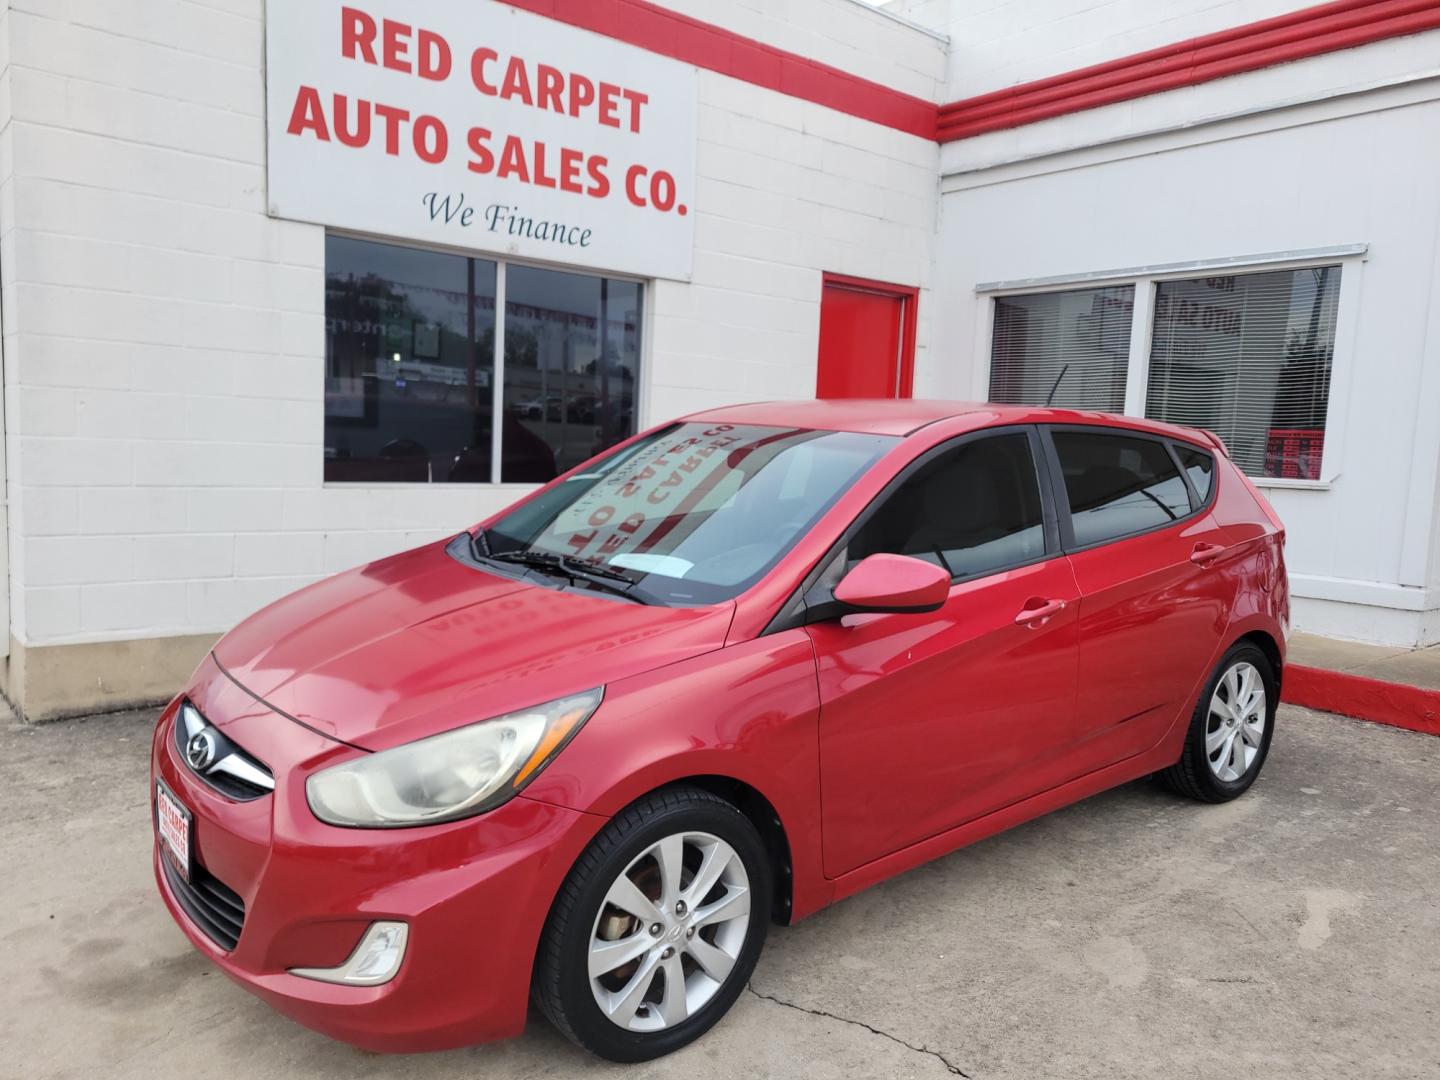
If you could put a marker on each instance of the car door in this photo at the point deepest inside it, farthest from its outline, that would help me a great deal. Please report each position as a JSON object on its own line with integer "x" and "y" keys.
{"x": 1155, "y": 585}
{"x": 930, "y": 720}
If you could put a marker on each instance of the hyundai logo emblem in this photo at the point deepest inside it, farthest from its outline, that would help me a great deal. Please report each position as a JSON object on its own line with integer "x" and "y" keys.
{"x": 200, "y": 750}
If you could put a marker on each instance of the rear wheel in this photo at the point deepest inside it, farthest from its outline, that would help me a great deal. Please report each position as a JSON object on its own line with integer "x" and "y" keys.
{"x": 1230, "y": 731}
{"x": 657, "y": 928}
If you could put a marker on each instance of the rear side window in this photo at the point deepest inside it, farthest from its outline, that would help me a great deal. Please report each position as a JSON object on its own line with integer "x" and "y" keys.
{"x": 970, "y": 510}
{"x": 1200, "y": 467}
{"x": 1118, "y": 485}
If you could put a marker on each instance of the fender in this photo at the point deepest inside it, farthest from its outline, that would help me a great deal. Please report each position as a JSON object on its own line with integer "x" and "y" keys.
{"x": 749, "y": 712}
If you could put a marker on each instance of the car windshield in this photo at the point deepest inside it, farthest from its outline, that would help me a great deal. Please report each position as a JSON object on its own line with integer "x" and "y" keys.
{"x": 694, "y": 514}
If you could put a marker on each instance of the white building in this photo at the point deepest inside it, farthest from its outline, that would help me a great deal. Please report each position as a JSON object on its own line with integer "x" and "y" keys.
{"x": 260, "y": 314}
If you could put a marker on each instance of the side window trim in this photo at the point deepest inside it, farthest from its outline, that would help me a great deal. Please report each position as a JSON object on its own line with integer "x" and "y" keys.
{"x": 1050, "y": 509}
{"x": 1209, "y": 455}
{"x": 793, "y": 611}
{"x": 1061, "y": 496}
{"x": 1184, "y": 475}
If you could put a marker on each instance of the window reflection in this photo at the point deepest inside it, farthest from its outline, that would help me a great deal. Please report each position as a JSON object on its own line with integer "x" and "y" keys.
{"x": 572, "y": 351}
{"x": 972, "y": 510}
{"x": 409, "y": 348}
{"x": 1069, "y": 349}
{"x": 1118, "y": 485}
{"x": 1249, "y": 356}
{"x": 1200, "y": 468}
{"x": 409, "y": 366}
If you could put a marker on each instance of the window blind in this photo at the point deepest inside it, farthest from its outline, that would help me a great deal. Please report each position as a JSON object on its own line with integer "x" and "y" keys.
{"x": 1248, "y": 356}
{"x": 1070, "y": 349}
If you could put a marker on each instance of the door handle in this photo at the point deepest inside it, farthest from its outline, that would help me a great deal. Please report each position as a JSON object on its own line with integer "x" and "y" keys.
{"x": 1204, "y": 554}
{"x": 1032, "y": 616}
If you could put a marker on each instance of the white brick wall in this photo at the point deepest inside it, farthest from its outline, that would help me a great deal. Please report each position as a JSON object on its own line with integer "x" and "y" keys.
{"x": 787, "y": 189}
{"x": 164, "y": 338}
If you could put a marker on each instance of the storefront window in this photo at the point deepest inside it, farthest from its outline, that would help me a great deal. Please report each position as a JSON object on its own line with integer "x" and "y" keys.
{"x": 411, "y": 366}
{"x": 572, "y": 353}
{"x": 1248, "y": 356}
{"x": 1068, "y": 349}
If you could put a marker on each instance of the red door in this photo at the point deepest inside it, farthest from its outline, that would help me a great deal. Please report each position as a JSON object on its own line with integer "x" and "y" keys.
{"x": 1153, "y": 606}
{"x": 867, "y": 339}
{"x": 1151, "y": 621}
{"x": 929, "y": 721}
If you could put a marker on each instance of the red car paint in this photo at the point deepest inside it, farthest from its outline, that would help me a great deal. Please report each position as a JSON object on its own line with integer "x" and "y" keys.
{"x": 893, "y": 581}
{"x": 1028, "y": 689}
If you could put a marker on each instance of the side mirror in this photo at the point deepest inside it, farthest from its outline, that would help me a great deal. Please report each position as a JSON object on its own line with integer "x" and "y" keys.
{"x": 894, "y": 583}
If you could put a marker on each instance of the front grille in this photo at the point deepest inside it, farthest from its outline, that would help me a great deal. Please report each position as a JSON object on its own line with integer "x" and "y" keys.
{"x": 230, "y": 770}
{"x": 232, "y": 787}
{"x": 212, "y": 905}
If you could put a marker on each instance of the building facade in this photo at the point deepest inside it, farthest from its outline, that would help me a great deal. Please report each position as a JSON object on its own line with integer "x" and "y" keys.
{"x": 289, "y": 287}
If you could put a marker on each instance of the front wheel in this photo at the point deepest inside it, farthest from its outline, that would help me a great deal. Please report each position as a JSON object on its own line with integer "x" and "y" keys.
{"x": 1231, "y": 729}
{"x": 657, "y": 928}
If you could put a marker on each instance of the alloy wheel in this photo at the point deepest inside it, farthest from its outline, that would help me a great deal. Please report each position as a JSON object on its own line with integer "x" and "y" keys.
{"x": 1235, "y": 726}
{"x": 669, "y": 932}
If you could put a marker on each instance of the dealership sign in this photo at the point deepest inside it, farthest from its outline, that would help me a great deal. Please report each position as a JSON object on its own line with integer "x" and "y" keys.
{"x": 470, "y": 123}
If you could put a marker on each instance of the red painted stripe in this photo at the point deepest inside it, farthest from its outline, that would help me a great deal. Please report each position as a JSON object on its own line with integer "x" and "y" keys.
{"x": 1343, "y": 24}
{"x": 669, "y": 33}
{"x": 1397, "y": 704}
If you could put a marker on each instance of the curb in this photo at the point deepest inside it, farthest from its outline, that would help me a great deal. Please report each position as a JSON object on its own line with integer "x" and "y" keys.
{"x": 1413, "y": 708}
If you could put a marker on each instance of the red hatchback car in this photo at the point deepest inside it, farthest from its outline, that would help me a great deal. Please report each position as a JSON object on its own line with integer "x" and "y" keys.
{"x": 728, "y": 672}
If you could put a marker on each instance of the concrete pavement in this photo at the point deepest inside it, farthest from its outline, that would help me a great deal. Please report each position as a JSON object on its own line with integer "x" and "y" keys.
{"x": 1294, "y": 933}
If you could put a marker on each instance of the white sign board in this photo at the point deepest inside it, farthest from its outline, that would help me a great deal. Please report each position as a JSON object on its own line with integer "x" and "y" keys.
{"x": 473, "y": 124}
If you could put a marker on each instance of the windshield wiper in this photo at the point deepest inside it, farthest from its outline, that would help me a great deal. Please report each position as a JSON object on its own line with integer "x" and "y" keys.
{"x": 595, "y": 570}
{"x": 599, "y": 576}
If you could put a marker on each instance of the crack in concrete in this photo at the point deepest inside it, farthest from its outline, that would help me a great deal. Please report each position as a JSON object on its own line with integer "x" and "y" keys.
{"x": 954, "y": 1069}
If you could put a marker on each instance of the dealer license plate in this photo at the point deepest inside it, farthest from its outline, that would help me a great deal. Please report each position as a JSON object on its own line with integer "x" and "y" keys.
{"x": 172, "y": 820}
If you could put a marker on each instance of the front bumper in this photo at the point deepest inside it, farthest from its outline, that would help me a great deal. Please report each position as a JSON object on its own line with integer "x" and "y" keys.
{"x": 474, "y": 893}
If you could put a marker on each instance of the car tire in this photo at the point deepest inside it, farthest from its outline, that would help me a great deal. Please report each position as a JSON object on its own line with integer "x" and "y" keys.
{"x": 1224, "y": 752}
{"x": 666, "y": 846}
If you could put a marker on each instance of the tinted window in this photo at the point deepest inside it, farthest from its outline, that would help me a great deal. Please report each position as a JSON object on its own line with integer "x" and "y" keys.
{"x": 408, "y": 341}
{"x": 572, "y": 354}
{"x": 1200, "y": 467}
{"x": 1118, "y": 485}
{"x": 971, "y": 510}
{"x": 411, "y": 362}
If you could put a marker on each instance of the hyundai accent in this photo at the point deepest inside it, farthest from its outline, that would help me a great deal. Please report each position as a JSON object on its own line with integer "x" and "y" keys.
{"x": 729, "y": 672}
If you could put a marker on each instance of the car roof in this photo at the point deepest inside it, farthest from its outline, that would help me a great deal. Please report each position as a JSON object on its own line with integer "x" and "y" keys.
{"x": 906, "y": 416}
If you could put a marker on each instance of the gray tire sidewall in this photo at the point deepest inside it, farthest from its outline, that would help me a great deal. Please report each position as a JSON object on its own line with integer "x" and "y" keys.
{"x": 1229, "y": 789}
{"x": 592, "y": 1028}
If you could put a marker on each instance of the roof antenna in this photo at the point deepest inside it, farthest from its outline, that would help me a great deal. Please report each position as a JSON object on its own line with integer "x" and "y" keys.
{"x": 1051, "y": 396}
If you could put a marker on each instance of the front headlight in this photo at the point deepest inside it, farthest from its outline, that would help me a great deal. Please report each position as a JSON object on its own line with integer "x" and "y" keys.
{"x": 454, "y": 775}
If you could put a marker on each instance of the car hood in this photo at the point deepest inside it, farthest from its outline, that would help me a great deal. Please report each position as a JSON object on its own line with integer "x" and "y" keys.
{"x": 421, "y": 643}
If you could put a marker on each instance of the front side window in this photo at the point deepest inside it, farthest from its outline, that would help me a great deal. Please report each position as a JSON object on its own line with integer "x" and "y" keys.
{"x": 1068, "y": 349}
{"x": 1118, "y": 485}
{"x": 411, "y": 364}
{"x": 694, "y": 514}
{"x": 971, "y": 510}
{"x": 1248, "y": 356}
